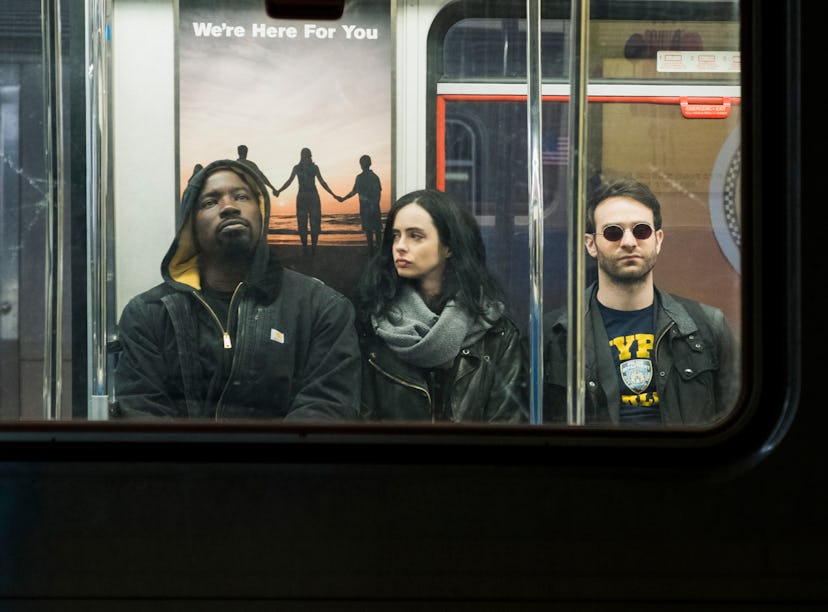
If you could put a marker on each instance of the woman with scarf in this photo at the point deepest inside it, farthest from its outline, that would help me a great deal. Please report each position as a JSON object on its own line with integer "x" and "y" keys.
{"x": 436, "y": 343}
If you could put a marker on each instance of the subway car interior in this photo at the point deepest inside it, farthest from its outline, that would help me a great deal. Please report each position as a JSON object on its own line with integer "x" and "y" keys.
{"x": 383, "y": 305}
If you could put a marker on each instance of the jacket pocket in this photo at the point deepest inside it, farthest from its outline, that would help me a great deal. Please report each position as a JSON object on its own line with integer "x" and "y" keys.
{"x": 694, "y": 360}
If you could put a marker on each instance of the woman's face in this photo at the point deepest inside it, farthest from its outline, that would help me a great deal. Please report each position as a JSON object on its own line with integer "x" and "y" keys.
{"x": 416, "y": 249}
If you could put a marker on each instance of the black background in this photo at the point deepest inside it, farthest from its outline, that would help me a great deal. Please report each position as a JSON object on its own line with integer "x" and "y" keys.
{"x": 81, "y": 534}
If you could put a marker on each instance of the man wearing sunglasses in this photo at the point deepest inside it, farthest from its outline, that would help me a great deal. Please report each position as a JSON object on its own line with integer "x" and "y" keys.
{"x": 651, "y": 358}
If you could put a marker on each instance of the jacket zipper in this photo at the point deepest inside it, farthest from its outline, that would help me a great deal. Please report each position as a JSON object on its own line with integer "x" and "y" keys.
{"x": 225, "y": 335}
{"x": 661, "y": 337}
{"x": 404, "y": 383}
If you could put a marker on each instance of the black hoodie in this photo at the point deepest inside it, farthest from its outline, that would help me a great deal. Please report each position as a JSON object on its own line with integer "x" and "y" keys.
{"x": 286, "y": 348}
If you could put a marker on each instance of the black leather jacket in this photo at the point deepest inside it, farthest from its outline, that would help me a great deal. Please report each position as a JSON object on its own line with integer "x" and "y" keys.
{"x": 487, "y": 382}
{"x": 696, "y": 364}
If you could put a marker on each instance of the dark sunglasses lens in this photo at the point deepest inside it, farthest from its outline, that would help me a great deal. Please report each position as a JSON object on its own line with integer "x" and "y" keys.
{"x": 642, "y": 231}
{"x": 613, "y": 233}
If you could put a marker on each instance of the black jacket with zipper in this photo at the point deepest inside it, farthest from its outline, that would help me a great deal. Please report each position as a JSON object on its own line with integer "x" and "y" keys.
{"x": 486, "y": 383}
{"x": 287, "y": 347}
{"x": 696, "y": 364}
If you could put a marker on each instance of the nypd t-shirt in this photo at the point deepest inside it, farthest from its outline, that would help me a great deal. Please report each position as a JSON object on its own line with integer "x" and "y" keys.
{"x": 632, "y": 342}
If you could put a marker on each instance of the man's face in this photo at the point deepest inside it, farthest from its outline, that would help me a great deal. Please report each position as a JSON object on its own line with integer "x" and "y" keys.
{"x": 629, "y": 259}
{"x": 228, "y": 221}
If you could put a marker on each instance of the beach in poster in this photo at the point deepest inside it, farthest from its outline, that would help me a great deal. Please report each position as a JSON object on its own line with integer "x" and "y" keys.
{"x": 280, "y": 86}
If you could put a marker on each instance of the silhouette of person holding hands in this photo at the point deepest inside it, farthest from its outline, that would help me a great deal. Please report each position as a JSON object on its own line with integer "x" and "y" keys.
{"x": 242, "y": 151}
{"x": 367, "y": 185}
{"x": 308, "y": 205}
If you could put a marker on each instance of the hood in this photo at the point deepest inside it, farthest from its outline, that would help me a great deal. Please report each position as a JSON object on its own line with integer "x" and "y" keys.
{"x": 180, "y": 265}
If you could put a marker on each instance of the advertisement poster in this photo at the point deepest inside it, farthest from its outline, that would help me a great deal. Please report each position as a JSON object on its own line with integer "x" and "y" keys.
{"x": 293, "y": 92}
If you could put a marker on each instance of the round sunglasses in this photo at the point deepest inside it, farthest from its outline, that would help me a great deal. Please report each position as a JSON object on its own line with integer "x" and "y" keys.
{"x": 614, "y": 233}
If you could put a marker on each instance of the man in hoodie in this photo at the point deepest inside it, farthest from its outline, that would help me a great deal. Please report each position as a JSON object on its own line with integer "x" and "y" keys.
{"x": 230, "y": 333}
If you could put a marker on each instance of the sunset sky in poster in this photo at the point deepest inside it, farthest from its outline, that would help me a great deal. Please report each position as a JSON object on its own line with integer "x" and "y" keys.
{"x": 278, "y": 95}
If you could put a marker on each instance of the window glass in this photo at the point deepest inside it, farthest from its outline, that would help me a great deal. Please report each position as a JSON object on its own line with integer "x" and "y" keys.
{"x": 662, "y": 108}
{"x": 145, "y": 298}
{"x": 477, "y": 48}
{"x": 36, "y": 313}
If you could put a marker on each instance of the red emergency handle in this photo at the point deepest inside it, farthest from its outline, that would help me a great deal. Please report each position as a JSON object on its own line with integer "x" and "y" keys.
{"x": 704, "y": 108}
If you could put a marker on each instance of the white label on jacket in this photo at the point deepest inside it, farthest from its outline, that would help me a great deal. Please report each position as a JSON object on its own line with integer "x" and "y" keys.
{"x": 277, "y": 336}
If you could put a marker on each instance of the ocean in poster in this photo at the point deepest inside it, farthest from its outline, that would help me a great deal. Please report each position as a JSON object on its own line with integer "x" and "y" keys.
{"x": 341, "y": 229}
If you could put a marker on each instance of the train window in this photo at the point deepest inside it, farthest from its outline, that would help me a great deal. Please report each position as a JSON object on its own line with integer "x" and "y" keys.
{"x": 495, "y": 48}
{"x": 438, "y": 165}
{"x": 37, "y": 333}
{"x": 662, "y": 106}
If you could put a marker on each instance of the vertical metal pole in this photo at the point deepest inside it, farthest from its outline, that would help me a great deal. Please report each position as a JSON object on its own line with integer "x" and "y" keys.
{"x": 97, "y": 187}
{"x": 576, "y": 267}
{"x": 535, "y": 151}
{"x": 53, "y": 137}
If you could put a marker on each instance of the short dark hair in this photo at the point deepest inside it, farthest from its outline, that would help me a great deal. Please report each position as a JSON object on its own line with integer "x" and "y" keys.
{"x": 626, "y": 188}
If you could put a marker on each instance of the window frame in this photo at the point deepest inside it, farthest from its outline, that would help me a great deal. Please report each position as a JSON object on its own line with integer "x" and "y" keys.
{"x": 771, "y": 402}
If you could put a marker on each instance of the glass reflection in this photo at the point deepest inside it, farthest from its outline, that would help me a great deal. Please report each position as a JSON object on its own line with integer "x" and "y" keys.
{"x": 664, "y": 107}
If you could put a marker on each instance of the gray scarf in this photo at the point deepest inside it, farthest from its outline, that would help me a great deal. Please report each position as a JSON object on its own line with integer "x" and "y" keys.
{"x": 427, "y": 340}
